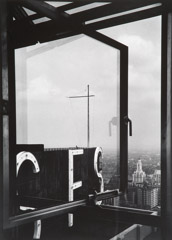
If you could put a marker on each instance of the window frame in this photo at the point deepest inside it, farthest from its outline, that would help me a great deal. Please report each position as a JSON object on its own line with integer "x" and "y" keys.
{"x": 9, "y": 141}
{"x": 165, "y": 140}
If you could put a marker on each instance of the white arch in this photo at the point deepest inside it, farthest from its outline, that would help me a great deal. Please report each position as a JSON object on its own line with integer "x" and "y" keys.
{"x": 22, "y": 157}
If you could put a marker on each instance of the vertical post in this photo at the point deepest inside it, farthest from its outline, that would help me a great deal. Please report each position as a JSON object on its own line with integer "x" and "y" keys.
{"x": 88, "y": 118}
{"x": 4, "y": 123}
{"x": 123, "y": 103}
{"x": 72, "y": 185}
{"x": 166, "y": 127}
{"x": 123, "y": 114}
{"x": 3, "y": 100}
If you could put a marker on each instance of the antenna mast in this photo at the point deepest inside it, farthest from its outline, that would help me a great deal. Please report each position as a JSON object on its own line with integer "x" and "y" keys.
{"x": 88, "y": 112}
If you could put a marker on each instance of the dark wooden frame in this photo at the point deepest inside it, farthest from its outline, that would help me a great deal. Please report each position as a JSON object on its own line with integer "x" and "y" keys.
{"x": 9, "y": 141}
{"x": 123, "y": 103}
{"x": 64, "y": 25}
{"x": 166, "y": 126}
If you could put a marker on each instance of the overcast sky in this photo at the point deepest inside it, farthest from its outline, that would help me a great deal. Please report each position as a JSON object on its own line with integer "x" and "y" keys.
{"x": 144, "y": 41}
{"x": 65, "y": 69}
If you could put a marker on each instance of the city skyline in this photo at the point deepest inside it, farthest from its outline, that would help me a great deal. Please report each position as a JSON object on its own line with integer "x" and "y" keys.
{"x": 144, "y": 188}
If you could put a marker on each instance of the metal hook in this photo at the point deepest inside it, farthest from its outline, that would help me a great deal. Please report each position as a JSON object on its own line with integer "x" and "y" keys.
{"x": 127, "y": 120}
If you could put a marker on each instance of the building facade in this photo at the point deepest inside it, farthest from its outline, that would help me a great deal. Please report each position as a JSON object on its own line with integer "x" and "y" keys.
{"x": 139, "y": 175}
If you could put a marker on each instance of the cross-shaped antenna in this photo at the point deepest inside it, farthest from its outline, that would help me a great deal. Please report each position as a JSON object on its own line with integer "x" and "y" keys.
{"x": 88, "y": 112}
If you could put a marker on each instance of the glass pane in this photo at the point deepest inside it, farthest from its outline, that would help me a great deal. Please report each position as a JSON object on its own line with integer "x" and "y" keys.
{"x": 144, "y": 169}
{"x": 52, "y": 107}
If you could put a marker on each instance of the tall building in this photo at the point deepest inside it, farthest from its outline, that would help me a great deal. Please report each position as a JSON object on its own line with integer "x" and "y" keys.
{"x": 147, "y": 197}
{"x": 157, "y": 177}
{"x": 139, "y": 175}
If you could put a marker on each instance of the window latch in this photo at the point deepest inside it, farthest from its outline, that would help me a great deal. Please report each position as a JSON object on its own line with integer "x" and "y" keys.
{"x": 128, "y": 121}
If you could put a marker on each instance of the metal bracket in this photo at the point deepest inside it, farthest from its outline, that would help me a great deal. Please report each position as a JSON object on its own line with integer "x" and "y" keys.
{"x": 128, "y": 121}
{"x": 97, "y": 197}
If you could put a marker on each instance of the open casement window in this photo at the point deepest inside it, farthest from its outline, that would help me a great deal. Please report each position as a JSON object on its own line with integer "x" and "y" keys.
{"x": 24, "y": 34}
{"x": 36, "y": 101}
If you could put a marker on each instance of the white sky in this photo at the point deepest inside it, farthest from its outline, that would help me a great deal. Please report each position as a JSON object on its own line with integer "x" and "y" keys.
{"x": 144, "y": 41}
{"x": 65, "y": 70}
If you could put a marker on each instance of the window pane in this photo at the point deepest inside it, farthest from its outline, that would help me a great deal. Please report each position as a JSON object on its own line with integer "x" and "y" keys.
{"x": 52, "y": 102}
{"x": 48, "y": 75}
{"x": 144, "y": 169}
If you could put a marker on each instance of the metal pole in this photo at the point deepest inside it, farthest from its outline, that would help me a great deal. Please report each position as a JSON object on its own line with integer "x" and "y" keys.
{"x": 88, "y": 112}
{"x": 88, "y": 119}
{"x": 166, "y": 127}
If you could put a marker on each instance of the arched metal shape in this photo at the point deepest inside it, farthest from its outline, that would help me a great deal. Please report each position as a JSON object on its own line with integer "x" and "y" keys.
{"x": 22, "y": 157}
{"x": 98, "y": 153}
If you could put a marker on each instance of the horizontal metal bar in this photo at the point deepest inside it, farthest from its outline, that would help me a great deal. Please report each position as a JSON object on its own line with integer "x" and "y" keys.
{"x": 59, "y": 10}
{"x": 42, "y": 8}
{"x": 115, "y": 7}
{"x": 74, "y": 1}
{"x": 127, "y": 209}
{"x": 72, "y": 5}
{"x": 48, "y": 31}
{"x": 116, "y": 214}
{"x": 81, "y": 96}
{"x": 45, "y": 213}
{"x": 126, "y": 18}
{"x": 83, "y": 1}
{"x": 107, "y": 194}
{"x": 37, "y": 202}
